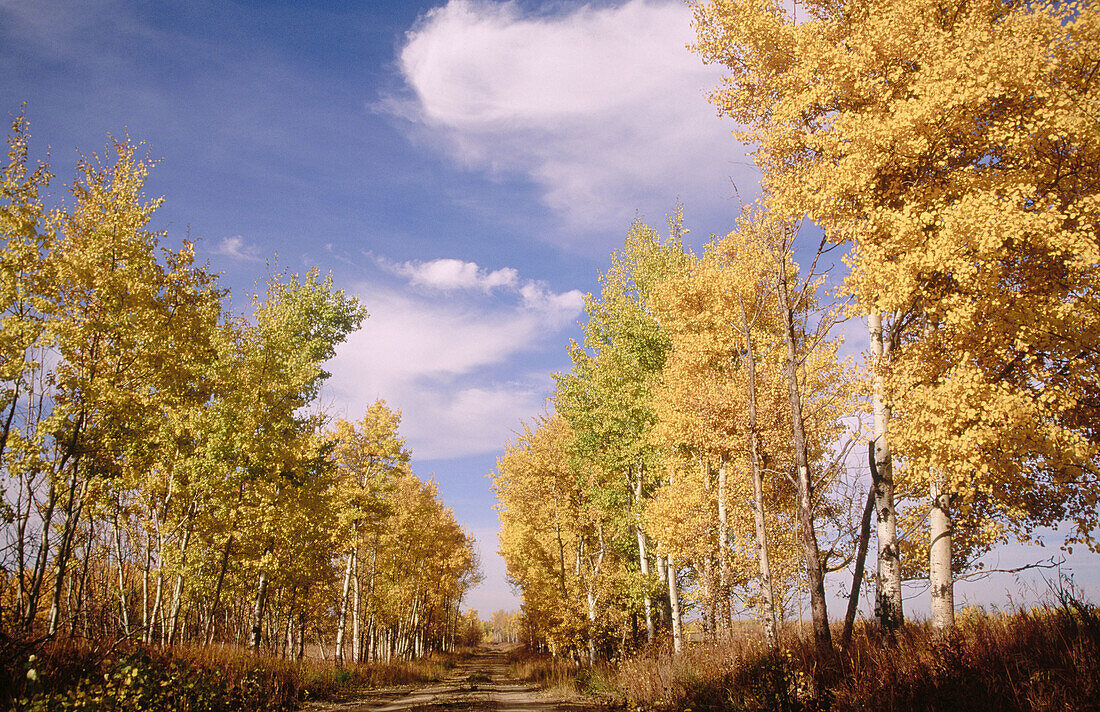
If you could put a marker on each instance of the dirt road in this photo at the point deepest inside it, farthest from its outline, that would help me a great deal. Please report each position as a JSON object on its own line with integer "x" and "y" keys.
{"x": 477, "y": 684}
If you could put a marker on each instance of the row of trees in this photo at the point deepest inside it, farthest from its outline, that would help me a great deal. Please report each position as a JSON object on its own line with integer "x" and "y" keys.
{"x": 504, "y": 626}
{"x": 954, "y": 149}
{"x": 165, "y": 476}
{"x": 689, "y": 460}
{"x": 406, "y": 563}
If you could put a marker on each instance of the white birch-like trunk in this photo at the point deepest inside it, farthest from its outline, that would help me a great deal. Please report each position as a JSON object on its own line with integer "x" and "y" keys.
{"x": 763, "y": 557}
{"x": 342, "y": 615}
{"x": 258, "y": 613}
{"x": 674, "y": 604}
{"x": 177, "y": 591}
{"x": 145, "y": 586}
{"x": 662, "y": 579}
{"x": 370, "y": 636}
{"x": 122, "y": 602}
{"x": 940, "y": 575}
{"x": 888, "y": 601}
{"x": 643, "y": 557}
{"x": 724, "y": 613}
{"x": 158, "y": 597}
{"x": 357, "y": 611}
{"x": 591, "y": 627}
{"x": 643, "y": 561}
{"x": 260, "y": 606}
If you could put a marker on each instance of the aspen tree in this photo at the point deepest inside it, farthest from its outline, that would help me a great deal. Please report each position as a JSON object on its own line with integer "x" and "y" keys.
{"x": 888, "y": 601}
{"x": 128, "y": 330}
{"x": 24, "y": 288}
{"x": 707, "y": 398}
{"x": 538, "y": 500}
{"x": 367, "y": 455}
{"x": 966, "y": 182}
{"x": 809, "y": 355}
{"x": 554, "y": 541}
{"x": 26, "y": 298}
{"x": 607, "y": 397}
{"x": 298, "y": 325}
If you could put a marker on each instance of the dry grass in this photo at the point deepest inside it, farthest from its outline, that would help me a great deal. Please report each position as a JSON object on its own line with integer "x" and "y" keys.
{"x": 563, "y": 678}
{"x": 1042, "y": 659}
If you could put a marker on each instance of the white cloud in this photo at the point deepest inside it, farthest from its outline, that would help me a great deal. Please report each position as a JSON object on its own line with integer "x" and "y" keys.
{"x": 603, "y": 109}
{"x": 446, "y": 274}
{"x": 236, "y": 248}
{"x": 454, "y": 366}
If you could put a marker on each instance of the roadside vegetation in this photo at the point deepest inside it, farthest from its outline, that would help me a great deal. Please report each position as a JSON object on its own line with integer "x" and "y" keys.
{"x": 1042, "y": 659}
{"x": 72, "y": 675}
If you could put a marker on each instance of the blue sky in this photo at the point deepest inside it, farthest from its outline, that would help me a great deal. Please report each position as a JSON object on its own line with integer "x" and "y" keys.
{"x": 464, "y": 167}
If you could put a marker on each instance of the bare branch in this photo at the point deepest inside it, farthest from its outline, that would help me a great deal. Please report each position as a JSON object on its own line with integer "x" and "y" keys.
{"x": 980, "y": 574}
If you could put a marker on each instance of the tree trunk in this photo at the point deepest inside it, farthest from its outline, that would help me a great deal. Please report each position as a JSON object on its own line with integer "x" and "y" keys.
{"x": 145, "y": 572}
{"x": 356, "y": 609}
{"x": 940, "y": 575}
{"x": 561, "y": 560}
{"x": 41, "y": 561}
{"x": 288, "y": 637}
{"x": 258, "y": 608}
{"x": 73, "y": 507}
{"x": 80, "y": 612}
{"x": 705, "y": 584}
{"x": 301, "y": 652}
{"x": 643, "y": 556}
{"x": 209, "y": 632}
{"x": 724, "y": 613}
{"x": 258, "y": 613}
{"x": 15, "y": 397}
{"x": 763, "y": 556}
{"x": 591, "y": 627}
{"x": 861, "y": 557}
{"x": 805, "y": 486}
{"x": 663, "y": 604}
{"x": 888, "y": 602}
{"x": 674, "y": 603}
{"x": 177, "y": 592}
{"x": 158, "y": 596}
{"x": 123, "y": 605}
{"x": 342, "y": 615}
{"x": 370, "y": 634}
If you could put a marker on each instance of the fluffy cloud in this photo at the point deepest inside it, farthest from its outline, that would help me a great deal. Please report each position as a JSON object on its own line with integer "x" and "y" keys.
{"x": 603, "y": 109}
{"x": 446, "y": 274}
{"x": 454, "y": 366}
